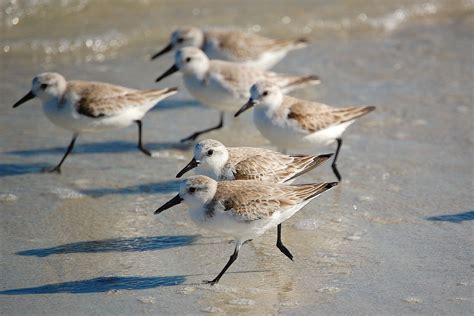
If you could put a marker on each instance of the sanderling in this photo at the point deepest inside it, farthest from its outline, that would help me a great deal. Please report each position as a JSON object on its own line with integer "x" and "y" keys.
{"x": 245, "y": 48}
{"x": 211, "y": 158}
{"x": 86, "y": 106}
{"x": 290, "y": 122}
{"x": 224, "y": 85}
{"x": 242, "y": 209}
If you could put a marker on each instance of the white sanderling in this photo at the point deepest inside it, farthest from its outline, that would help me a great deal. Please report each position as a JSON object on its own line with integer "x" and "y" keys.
{"x": 211, "y": 158}
{"x": 294, "y": 123}
{"x": 224, "y": 85}
{"x": 86, "y": 106}
{"x": 245, "y": 48}
{"x": 242, "y": 209}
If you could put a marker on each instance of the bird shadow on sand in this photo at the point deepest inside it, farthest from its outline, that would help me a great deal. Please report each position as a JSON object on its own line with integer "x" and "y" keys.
{"x": 108, "y": 147}
{"x": 453, "y": 218}
{"x": 147, "y": 188}
{"x": 21, "y": 169}
{"x": 136, "y": 244}
{"x": 100, "y": 284}
{"x": 111, "y": 283}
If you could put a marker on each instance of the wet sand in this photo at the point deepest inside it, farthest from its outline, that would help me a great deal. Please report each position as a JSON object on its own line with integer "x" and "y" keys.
{"x": 394, "y": 238}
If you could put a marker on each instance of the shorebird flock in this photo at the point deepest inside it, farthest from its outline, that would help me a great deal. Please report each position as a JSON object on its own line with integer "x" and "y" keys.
{"x": 240, "y": 192}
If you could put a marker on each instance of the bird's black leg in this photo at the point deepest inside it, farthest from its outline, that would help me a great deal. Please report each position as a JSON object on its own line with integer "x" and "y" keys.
{"x": 140, "y": 145}
{"x": 228, "y": 264}
{"x": 195, "y": 135}
{"x": 334, "y": 166}
{"x": 280, "y": 245}
{"x": 68, "y": 151}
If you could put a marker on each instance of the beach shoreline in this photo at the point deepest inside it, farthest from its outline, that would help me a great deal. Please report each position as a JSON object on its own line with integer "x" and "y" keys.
{"x": 393, "y": 238}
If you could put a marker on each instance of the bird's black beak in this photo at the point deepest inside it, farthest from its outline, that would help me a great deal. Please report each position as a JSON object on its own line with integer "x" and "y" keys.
{"x": 168, "y": 72}
{"x": 163, "y": 51}
{"x": 27, "y": 97}
{"x": 191, "y": 165}
{"x": 174, "y": 201}
{"x": 246, "y": 106}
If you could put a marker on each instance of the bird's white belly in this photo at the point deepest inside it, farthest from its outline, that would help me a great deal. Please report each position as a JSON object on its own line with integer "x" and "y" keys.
{"x": 280, "y": 217}
{"x": 266, "y": 60}
{"x": 117, "y": 121}
{"x": 284, "y": 134}
{"x": 66, "y": 117}
{"x": 328, "y": 135}
{"x": 214, "y": 94}
{"x": 62, "y": 116}
{"x": 224, "y": 223}
{"x": 277, "y": 132}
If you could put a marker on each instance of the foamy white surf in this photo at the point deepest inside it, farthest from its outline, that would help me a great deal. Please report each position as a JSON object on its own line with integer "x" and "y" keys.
{"x": 108, "y": 34}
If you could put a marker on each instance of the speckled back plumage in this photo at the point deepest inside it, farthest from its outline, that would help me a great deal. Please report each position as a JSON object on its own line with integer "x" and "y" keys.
{"x": 314, "y": 116}
{"x": 253, "y": 200}
{"x": 98, "y": 99}
{"x": 240, "y": 46}
{"x": 248, "y": 163}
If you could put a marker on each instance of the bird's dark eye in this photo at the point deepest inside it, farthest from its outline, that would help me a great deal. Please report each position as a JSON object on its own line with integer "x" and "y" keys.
{"x": 180, "y": 40}
{"x": 210, "y": 152}
{"x": 192, "y": 190}
{"x": 43, "y": 86}
{"x": 188, "y": 59}
{"x": 265, "y": 93}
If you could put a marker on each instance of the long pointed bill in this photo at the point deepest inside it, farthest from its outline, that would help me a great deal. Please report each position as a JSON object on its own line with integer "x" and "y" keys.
{"x": 246, "y": 106}
{"x": 27, "y": 97}
{"x": 174, "y": 201}
{"x": 191, "y": 165}
{"x": 168, "y": 72}
{"x": 163, "y": 51}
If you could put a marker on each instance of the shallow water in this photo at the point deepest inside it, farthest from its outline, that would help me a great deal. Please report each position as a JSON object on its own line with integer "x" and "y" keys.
{"x": 394, "y": 238}
{"x": 83, "y": 30}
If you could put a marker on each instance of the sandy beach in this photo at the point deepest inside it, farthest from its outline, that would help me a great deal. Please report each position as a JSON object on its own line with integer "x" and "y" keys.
{"x": 394, "y": 238}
